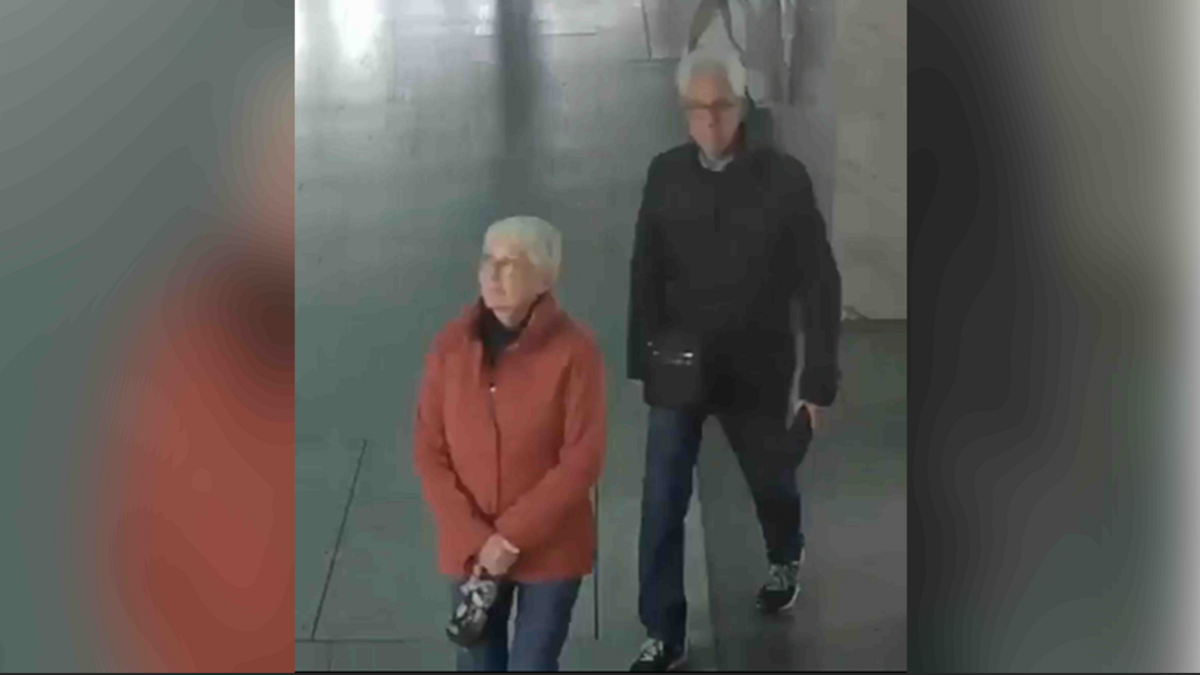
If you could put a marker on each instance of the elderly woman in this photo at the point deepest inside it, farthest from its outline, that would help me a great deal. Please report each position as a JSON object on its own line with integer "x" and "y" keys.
{"x": 509, "y": 440}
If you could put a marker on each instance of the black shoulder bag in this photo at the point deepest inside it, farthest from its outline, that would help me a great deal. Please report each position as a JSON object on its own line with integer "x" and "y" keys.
{"x": 675, "y": 376}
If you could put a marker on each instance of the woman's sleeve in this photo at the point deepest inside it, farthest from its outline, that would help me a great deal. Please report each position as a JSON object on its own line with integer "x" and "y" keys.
{"x": 533, "y": 518}
{"x": 455, "y": 512}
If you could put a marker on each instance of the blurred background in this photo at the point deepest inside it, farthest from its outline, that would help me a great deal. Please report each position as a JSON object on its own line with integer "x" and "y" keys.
{"x": 418, "y": 123}
{"x": 146, "y": 382}
{"x": 1053, "y": 223}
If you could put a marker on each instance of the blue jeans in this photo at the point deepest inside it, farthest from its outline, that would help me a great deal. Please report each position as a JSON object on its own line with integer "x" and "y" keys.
{"x": 768, "y": 453}
{"x": 543, "y": 620}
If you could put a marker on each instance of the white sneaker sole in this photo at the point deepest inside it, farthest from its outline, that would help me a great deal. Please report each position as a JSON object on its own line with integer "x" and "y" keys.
{"x": 791, "y": 603}
{"x": 795, "y": 596}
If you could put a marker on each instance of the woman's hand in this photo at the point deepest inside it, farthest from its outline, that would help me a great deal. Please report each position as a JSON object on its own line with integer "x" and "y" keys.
{"x": 497, "y": 555}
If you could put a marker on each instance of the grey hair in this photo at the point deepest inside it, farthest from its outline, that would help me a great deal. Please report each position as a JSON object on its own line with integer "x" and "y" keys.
{"x": 540, "y": 241}
{"x": 709, "y": 60}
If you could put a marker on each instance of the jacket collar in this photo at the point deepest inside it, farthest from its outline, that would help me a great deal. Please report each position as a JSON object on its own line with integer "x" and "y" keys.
{"x": 543, "y": 320}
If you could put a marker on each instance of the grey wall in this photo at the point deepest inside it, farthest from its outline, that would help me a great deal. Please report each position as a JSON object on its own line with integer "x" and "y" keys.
{"x": 806, "y": 117}
{"x": 841, "y": 109}
{"x": 870, "y": 93}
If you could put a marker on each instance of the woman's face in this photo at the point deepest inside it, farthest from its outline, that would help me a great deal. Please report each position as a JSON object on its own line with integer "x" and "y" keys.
{"x": 507, "y": 280}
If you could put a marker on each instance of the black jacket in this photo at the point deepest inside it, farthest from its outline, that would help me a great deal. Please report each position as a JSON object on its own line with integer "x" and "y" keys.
{"x": 722, "y": 254}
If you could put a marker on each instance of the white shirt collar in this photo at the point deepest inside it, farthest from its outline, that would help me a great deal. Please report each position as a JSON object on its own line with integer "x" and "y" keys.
{"x": 714, "y": 164}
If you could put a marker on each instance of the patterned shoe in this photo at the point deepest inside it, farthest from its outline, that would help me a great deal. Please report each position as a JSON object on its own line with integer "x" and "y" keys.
{"x": 782, "y": 588}
{"x": 659, "y": 657}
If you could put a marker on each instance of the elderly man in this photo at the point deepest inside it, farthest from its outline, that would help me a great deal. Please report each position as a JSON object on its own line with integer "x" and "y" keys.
{"x": 727, "y": 234}
{"x": 509, "y": 439}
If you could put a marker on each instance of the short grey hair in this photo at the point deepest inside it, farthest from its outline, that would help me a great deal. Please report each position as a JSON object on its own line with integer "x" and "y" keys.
{"x": 539, "y": 240}
{"x": 709, "y": 60}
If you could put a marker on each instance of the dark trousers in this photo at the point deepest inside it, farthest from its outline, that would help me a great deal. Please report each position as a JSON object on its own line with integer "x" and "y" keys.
{"x": 542, "y": 622}
{"x": 768, "y": 453}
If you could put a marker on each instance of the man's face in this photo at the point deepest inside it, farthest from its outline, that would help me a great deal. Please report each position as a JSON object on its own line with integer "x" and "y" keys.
{"x": 507, "y": 280}
{"x": 713, "y": 113}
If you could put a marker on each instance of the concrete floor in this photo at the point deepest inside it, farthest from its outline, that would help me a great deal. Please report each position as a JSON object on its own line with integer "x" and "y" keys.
{"x": 417, "y": 125}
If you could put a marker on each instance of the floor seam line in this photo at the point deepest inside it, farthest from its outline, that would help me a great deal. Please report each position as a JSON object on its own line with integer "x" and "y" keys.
{"x": 337, "y": 545}
{"x": 708, "y": 567}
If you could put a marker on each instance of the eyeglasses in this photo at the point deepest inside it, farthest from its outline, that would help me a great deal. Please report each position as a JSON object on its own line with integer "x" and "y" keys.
{"x": 488, "y": 264}
{"x": 720, "y": 107}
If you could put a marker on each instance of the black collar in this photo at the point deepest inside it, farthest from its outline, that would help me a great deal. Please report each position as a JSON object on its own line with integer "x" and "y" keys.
{"x": 493, "y": 331}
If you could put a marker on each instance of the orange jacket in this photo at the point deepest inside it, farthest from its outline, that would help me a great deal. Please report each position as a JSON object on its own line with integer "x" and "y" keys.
{"x": 514, "y": 449}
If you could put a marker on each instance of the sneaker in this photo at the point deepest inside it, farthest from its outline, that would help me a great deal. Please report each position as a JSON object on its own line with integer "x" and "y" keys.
{"x": 659, "y": 657}
{"x": 467, "y": 625}
{"x": 782, "y": 588}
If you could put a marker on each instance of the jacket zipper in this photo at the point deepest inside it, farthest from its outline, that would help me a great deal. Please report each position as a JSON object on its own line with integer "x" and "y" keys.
{"x": 496, "y": 426}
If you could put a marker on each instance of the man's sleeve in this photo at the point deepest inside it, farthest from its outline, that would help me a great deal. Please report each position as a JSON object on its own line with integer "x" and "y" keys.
{"x": 645, "y": 280}
{"x": 819, "y": 287}
{"x": 453, "y": 508}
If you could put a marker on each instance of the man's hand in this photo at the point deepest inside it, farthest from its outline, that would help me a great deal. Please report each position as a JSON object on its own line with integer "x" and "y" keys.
{"x": 497, "y": 555}
{"x": 815, "y": 413}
